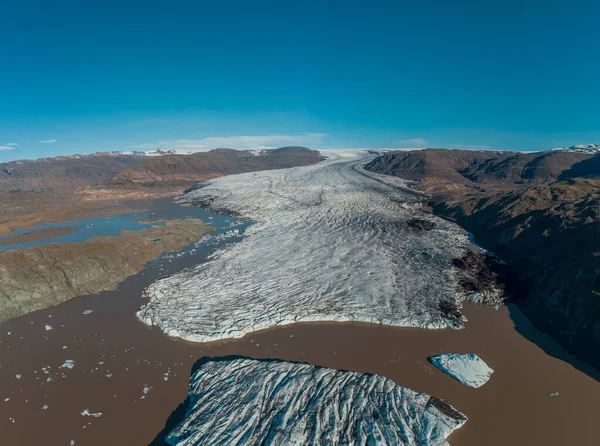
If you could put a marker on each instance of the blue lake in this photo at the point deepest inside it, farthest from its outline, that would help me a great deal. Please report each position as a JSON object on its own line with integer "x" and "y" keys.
{"x": 113, "y": 225}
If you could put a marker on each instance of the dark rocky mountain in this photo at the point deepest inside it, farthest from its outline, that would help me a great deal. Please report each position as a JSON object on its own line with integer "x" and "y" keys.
{"x": 170, "y": 172}
{"x": 63, "y": 173}
{"x": 540, "y": 213}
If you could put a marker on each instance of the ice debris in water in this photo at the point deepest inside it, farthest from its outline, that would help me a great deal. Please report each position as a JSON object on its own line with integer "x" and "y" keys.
{"x": 48, "y": 327}
{"x": 344, "y": 253}
{"x": 88, "y": 311}
{"x": 69, "y": 364}
{"x": 469, "y": 369}
{"x": 19, "y": 376}
{"x": 45, "y": 407}
{"x": 554, "y": 394}
{"x": 87, "y": 413}
{"x": 286, "y": 403}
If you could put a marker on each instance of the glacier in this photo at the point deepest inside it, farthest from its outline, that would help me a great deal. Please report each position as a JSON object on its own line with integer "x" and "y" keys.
{"x": 236, "y": 400}
{"x": 330, "y": 242}
{"x": 469, "y": 369}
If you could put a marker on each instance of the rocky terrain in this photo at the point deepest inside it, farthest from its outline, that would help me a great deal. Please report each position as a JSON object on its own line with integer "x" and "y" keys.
{"x": 164, "y": 174}
{"x": 63, "y": 173}
{"x": 287, "y": 403}
{"x": 65, "y": 187}
{"x": 330, "y": 242}
{"x": 540, "y": 213}
{"x": 43, "y": 276}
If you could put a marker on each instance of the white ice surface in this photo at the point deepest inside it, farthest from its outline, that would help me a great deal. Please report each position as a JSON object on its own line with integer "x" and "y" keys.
{"x": 330, "y": 243}
{"x": 469, "y": 369}
{"x": 239, "y": 401}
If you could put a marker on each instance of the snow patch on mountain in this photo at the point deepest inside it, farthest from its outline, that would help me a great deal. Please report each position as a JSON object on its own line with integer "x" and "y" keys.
{"x": 581, "y": 148}
{"x": 247, "y": 401}
{"x": 469, "y": 369}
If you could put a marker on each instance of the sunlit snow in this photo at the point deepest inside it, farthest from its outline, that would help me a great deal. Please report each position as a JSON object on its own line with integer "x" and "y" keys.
{"x": 469, "y": 369}
{"x": 247, "y": 401}
{"x": 329, "y": 243}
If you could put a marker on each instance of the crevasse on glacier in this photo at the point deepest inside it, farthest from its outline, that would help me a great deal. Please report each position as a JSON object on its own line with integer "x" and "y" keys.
{"x": 240, "y": 401}
{"x": 330, "y": 243}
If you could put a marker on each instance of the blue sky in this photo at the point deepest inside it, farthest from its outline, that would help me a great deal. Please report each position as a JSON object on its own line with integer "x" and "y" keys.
{"x": 78, "y": 77}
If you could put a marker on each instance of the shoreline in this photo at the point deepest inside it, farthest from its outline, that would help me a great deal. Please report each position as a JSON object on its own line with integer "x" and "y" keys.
{"x": 117, "y": 357}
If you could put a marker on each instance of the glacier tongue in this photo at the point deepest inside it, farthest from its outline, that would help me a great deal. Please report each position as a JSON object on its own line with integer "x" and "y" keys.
{"x": 330, "y": 243}
{"x": 240, "y": 401}
{"x": 469, "y": 369}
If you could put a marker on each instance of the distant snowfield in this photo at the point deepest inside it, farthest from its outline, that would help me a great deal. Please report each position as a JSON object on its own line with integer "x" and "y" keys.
{"x": 330, "y": 243}
{"x": 246, "y": 401}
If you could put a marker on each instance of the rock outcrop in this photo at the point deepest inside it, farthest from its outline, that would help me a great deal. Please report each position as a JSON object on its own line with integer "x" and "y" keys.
{"x": 538, "y": 212}
{"x": 43, "y": 276}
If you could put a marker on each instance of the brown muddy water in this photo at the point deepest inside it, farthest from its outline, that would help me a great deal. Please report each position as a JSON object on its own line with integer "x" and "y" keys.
{"x": 136, "y": 376}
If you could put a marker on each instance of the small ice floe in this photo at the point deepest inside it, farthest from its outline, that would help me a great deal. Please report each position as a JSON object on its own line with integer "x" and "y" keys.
{"x": 7, "y": 399}
{"x": 87, "y": 413}
{"x": 147, "y": 389}
{"x": 69, "y": 364}
{"x": 88, "y": 311}
{"x": 45, "y": 407}
{"x": 72, "y": 443}
{"x": 469, "y": 369}
{"x": 19, "y": 376}
{"x": 48, "y": 327}
{"x": 12, "y": 420}
{"x": 108, "y": 374}
{"x": 554, "y": 394}
{"x": 496, "y": 307}
{"x": 166, "y": 377}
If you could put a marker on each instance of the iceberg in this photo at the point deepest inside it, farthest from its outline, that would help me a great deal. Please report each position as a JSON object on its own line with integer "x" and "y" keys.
{"x": 236, "y": 400}
{"x": 330, "y": 242}
{"x": 469, "y": 369}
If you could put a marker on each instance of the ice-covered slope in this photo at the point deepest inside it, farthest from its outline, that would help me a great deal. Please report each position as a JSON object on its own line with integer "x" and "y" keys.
{"x": 239, "y": 401}
{"x": 330, "y": 243}
{"x": 469, "y": 369}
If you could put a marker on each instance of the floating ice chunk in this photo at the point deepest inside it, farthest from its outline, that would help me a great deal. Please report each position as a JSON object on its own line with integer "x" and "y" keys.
{"x": 7, "y": 399}
{"x": 87, "y": 413}
{"x": 48, "y": 327}
{"x": 72, "y": 443}
{"x": 12, "y": 420}
{"x": 554, "y": 394}
{"x": 285, "y": 403}
{"x": 19, "y": 376}
{"x": 147, "y": 389}
{"x": 69, "y": 364}
{"x": 88, "y": 311}
{"x": 469, "y": 369}
{"x": 45, "y": 407}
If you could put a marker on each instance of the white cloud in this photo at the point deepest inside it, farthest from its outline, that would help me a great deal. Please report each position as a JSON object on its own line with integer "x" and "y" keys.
{"x": 6, "y": 147}
{"x": 470, "y": 147}
{"x": 238, "y": 142}
{"x": 413, "y": 142}
{"x": 12, "y": 144}
{"x": 47, "y": 141}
